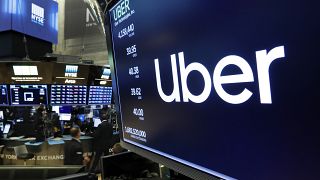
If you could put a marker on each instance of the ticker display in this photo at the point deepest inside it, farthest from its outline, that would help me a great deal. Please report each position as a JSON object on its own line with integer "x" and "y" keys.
{"x": 68, "y": 95}
{"x": 100, "y": 95}
{"x": 229, "y": 88}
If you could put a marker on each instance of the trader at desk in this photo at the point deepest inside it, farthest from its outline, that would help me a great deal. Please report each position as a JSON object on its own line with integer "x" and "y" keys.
{"x": 73, "y": 152}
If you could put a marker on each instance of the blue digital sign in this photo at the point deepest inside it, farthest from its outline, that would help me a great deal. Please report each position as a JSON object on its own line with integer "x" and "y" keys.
{"x": 5, "y": 16}
{"x": 32, "y": 17}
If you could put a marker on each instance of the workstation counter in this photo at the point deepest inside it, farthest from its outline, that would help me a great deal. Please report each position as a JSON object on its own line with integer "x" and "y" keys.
{"x": 47, "y": 153}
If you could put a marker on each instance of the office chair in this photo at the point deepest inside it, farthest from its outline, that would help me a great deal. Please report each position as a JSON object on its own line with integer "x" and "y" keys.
{"x": 34, "y": 149}
{"x": 22, "y": 153}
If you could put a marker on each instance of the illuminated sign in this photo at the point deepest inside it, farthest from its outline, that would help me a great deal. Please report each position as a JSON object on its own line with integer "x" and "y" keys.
{"x": 106, "y": 73}
{"x": 71, "y": 71}
{"x": 37, "y": 14}
{"x": 263, "y": 60}
{"x": 26, "y": 74}
{"x": 25, "y": 70}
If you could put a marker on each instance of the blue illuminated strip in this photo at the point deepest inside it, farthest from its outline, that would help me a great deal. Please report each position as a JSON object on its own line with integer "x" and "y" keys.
{"x": 180, "y": 160}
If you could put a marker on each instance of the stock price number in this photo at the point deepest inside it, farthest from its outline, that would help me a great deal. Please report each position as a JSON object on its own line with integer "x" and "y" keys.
{"x": 134, "y": 71}
{"x": 132, "y": 50}
{"x": 138, "y": 112}
{"x": 136, "y": 92}
{"x": 128, "y": 31}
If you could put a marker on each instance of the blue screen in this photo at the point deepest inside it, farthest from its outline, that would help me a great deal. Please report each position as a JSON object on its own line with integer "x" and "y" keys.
{"x": 37, "y": 18}
{"x": 5, "y": 15}
{"x": 65, "y": 109}
{"x": 230, "y": 88}
{"x": 82, "y": 117}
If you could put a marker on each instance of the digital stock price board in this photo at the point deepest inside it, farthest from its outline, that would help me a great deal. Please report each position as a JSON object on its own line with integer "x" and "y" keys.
{"x": 228, "y": 88}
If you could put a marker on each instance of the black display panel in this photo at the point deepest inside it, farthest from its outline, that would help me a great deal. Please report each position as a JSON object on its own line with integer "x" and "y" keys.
{"x": 230, "y": 88}
{"x": 68, "y": 95}
{"x": 100, "y": 76}
{"x": 100, "y": 95}
{"x": 23, "y": 95}
{"x": 27, "y": 72}
{"x": 3, "y": 95}
{"x": 74, "y": 74}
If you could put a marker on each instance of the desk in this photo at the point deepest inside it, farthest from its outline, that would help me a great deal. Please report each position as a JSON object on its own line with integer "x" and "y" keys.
{"x": 47, "y": 153}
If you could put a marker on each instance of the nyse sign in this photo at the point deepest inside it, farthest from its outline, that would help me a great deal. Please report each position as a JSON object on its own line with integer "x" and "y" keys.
{"x": 263, "y": 60}
{"x": 37, "y": 14}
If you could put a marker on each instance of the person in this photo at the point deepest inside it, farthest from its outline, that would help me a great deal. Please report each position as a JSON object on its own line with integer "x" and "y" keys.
{"x": 117, "y": 148}
{"x": 73, "y": 152}
{"x": 102, "y": 138}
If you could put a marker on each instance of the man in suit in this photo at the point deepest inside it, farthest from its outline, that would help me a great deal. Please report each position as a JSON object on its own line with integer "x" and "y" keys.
{"x": 102, "y": 138}
{"x": 73, "y": 152}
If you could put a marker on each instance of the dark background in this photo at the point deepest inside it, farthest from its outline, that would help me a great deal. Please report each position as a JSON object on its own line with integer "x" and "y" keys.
{"x": 246, "y": 141}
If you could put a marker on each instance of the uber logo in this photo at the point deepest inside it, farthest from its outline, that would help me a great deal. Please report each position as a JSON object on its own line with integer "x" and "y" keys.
{"x": 37, "y": 14}
{"x": 263, "y": 61}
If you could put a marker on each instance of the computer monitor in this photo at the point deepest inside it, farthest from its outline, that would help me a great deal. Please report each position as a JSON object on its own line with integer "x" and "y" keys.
{"x": 56, "y": 109}
{"x": 6, "y": 128}
{"x": 1, "y": 115}
{"x": 28, "y": 95}
{"x": 65, "y": 117}
{"x": 96, "y": 122}
{"x": 65, "y": 109}
{"x": 96, "y": 112}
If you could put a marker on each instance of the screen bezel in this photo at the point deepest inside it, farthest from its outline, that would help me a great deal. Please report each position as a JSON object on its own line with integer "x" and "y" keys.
{"x": 182, "y": 168}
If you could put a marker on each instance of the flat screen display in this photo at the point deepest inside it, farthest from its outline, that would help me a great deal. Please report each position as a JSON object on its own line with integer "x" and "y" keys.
{"x": 37, "y": 18}
{"x": 68, "y": 95}
{"x": 229, "y": 88}
{"x": 3, "y": 96}
{"x": 22, "y": 95}
{"x": 100, "y": 95}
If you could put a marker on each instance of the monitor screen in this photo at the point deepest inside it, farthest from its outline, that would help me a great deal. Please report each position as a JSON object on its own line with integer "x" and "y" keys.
{"x": 228, "y": 88}
{"x": 68, "y": 95}
{"x": 6, "y": 129}
{"x": 100, "y": 95}
{"x": 3, "y": 96}
{"x": 65, "y": 109}
{"x": 22, "y": 95}
{"x": 96, "y": 122}
{"x": 64, "y": 117}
